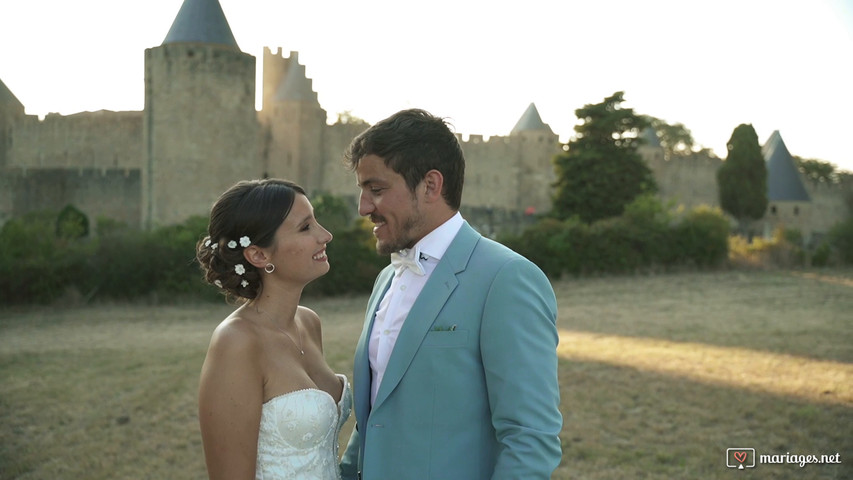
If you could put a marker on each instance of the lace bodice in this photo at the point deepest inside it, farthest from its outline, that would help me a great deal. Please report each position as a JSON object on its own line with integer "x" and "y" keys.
{"x": 299, "y": 435}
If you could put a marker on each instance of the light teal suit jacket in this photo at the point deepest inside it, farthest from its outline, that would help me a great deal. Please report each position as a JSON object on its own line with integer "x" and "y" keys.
{"x": 471, "y": 387}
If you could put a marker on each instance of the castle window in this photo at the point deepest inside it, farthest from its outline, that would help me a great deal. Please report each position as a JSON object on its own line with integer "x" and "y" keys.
{"x": 773, "y": 209}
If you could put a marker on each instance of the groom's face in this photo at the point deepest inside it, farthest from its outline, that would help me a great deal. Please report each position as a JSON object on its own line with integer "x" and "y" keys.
{"x": 391, "y": 206}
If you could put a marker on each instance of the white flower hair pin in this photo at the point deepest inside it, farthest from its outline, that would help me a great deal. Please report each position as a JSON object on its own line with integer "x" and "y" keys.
{"x": 232, "y": 244}
{"x": 239, "y": 268}
{"x": 245, "y": 242}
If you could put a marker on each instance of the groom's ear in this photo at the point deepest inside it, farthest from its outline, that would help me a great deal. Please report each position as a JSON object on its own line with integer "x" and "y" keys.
{"x": 433, "y": 183}
{"x": 256, "y": 256}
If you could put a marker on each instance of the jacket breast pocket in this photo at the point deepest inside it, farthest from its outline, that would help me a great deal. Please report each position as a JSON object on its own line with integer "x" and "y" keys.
{"x": 446, "y": 338}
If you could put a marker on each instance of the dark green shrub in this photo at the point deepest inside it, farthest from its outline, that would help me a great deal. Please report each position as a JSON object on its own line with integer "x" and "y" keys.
{"x": 536, "y": 244}
{"x": 123, "y": 265}
{"x": 841, "y": 238}
{"x": 612, "y": 248}
{"x": 701, "y": 238}
{"x": 71, "y": 223}
{"x": 131, "y": 263}
{"x": 821, "y": 255}
{"x": 570, "y": 246}
{"x": 36, "y": 266}
{"x": 644, "y": 237}
{"x": 793, "y": 236}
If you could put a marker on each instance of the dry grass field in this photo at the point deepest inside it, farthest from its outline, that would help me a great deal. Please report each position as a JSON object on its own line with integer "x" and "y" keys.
{"x": 659, "y": 376}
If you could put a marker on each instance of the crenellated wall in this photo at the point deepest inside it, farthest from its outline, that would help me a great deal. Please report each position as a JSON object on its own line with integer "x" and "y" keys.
{"x": 101, "y": 139}
{"x": 510, "y": 173}
{"x": 199, "y": 133}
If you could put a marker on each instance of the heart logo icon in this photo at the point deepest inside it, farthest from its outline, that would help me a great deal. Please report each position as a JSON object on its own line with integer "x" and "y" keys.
{"x": 740, "y": 456}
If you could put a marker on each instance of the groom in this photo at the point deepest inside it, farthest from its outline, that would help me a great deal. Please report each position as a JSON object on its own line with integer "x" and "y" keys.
{"x": 455, "y": 372}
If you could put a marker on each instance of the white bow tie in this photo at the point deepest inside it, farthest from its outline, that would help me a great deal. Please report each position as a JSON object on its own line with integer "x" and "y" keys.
{"x": 407, "y": 258}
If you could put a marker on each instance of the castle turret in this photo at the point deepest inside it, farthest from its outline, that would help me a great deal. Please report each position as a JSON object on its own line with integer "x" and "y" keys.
{"x": 788, "y": 202}
{"x": 293, "y": 121}
{"x": 200, "y": 127}
{"x": 784, "y": 183}
{"x": 530, "y": 122}
{"x": 536, "y": 149}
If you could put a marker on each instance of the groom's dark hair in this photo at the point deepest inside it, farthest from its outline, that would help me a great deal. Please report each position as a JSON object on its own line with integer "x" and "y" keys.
{"x": 413, "y": 142}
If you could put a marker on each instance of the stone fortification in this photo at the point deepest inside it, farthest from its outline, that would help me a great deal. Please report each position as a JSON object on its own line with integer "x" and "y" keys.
{"x": 686, "y": 180}
{"x": 200, "y": 129}
{"x": 102, "y": 139}
{"x": 510, "y": 172}
{"x": 99, "y": 192}
{"x": 293, "y": 122}
{"x": 199, "y": 133}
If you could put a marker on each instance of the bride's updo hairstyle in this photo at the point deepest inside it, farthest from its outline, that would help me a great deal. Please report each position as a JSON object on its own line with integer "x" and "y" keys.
{"x": 249, "y": 213}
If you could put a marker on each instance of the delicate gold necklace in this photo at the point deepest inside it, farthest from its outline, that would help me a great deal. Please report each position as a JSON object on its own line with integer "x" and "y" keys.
{"x": 298, "y": 332}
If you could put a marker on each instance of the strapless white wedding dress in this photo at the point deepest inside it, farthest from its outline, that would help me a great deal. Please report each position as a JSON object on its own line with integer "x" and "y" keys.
{"x": 299, "y": 435}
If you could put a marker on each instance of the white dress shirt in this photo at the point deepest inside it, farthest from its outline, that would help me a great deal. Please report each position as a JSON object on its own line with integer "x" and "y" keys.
{"x": 401, "y": 295}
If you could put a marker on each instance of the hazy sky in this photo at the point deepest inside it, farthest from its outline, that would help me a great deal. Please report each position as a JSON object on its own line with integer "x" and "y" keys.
{"x": 777, "y": 64}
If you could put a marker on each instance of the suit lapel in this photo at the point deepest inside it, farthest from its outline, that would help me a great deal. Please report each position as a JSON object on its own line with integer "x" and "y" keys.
{"x": 423, "y": 313}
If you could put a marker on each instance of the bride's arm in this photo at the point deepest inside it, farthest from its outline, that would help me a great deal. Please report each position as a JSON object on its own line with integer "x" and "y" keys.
{"x": 229, "y": 404}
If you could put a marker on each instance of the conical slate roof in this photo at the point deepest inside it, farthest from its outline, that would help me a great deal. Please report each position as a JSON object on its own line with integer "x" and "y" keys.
{"x": 784, "y": 183}
{"x": 8, "y": 98}
{"x": 201, "y": 21}
{"x": 530, "y": 121}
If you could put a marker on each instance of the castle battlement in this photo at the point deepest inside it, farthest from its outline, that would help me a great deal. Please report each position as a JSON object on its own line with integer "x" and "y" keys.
{"x": 200, "y": 132}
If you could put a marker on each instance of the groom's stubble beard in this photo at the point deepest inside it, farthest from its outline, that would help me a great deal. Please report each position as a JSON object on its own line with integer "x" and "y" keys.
{"x": 406, "y": 236}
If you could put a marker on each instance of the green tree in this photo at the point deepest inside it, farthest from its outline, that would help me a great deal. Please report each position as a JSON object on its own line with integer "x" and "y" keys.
{"x": 347, "y": 118}
{"x": 742, "y": 178}
{"x": 816, "y": 170}
{"x": 676, "y": 139}
{"x": 71, "y": 223}
{"x": 332, "y": 212}
{"x": 601, "y": 171}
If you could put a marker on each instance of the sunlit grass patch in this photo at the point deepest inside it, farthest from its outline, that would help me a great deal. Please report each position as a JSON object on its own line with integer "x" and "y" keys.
{"x": 789, "y": 375}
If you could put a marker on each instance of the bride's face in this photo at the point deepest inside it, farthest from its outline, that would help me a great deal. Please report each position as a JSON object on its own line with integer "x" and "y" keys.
{"x": 299, "y": 248}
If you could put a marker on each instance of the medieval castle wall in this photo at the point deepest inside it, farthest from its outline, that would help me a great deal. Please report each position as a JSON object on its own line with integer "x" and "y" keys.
{"x": 103, "y": 139}
{"x": 688, "y": 181}
{"x": 199, "y": 133}
{"x": 829, "y": 204}
{"x": 99, "y": 192}
{"x": 510, "y": 172}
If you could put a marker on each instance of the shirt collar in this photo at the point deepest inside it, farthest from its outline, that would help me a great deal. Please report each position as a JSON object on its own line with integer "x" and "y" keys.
{"x": 436, "y": 242}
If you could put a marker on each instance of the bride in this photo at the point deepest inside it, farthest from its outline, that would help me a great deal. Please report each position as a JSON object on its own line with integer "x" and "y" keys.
{"x": 269, "y": 406}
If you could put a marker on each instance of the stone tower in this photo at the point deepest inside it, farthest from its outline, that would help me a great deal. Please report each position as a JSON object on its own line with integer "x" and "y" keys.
{"x": 293, "y": 122}
{"x": 537, "y": 146}
{"x": 200, "y": 128}
{"x": 788, "y": 202}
